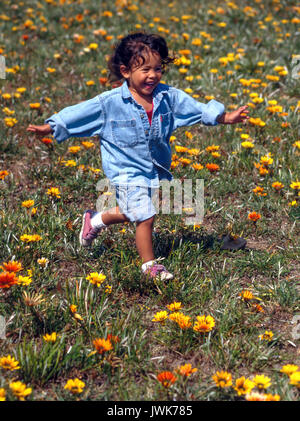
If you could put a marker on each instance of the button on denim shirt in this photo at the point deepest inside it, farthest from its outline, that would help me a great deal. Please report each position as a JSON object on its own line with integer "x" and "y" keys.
{"x": 132, "y": 151}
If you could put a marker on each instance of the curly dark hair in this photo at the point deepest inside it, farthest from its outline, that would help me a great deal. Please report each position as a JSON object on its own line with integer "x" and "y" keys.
{"x": 133, "y": 48}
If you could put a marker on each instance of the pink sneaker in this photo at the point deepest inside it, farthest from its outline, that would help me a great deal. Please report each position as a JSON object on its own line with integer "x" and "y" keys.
{"x": 88, "y": 233}
{"x": 159, "y": 271}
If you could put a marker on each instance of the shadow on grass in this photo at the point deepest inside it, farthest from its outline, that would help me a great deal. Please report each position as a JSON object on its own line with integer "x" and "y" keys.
{"x": 164, "y": 245}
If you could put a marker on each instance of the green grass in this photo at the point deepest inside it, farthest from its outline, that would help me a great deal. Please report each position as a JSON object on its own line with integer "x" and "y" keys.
{"x": 208, "y": 280}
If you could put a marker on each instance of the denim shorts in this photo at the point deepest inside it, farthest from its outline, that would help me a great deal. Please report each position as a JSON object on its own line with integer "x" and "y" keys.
{"x": 136, "y": 202}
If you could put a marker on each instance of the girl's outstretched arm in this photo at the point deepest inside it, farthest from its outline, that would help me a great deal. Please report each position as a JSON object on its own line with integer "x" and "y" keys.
{"x": 43, "y": 130}
{"x": 238, "y": 116}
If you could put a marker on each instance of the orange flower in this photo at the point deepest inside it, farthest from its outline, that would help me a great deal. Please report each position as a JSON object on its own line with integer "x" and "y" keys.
{"x": 246, "y": 295}
{"x": 12, "y": 266}
{"x": 166, "y": 378}
{"x": 3, "y": 174}
{"x": 186, "y": 370}
{"x": 212, "y": 148}
{"x": 197, "y": 166}
{"x": 212, "y": 167}
{"x": 103, "y": 80}
{"x": 113, "y": 338}
{"x": 204, "y": 324}
{"x": 102, "y": 345}
{"x": 258, "y": 308}
{"x": 277, "y": 185}
{"x": 253, "y": 216}
{"x": 47, "y": 140}
{"x": 8, "y": 279}
{"x": 259, "y": 191}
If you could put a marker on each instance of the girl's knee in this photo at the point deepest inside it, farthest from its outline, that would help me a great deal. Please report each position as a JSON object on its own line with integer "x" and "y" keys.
{"x": 147, "y": 222}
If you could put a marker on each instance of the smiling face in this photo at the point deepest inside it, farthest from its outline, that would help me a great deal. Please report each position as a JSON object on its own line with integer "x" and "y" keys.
{"x": 142, "y": 77}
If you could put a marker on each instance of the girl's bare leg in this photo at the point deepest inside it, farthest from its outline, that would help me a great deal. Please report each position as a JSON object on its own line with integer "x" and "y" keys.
{"x": 143, "y": 235}
{"x": 113, "y": 216}
{"x": 143, "y": 239}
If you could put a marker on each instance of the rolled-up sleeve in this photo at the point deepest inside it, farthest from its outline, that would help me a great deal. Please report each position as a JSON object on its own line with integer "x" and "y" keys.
{"x": 81, "y": 120}
{"x": 187, "y": 111}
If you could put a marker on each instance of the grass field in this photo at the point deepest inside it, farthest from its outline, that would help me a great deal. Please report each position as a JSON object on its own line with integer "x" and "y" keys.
{"x": 82, "y": 324}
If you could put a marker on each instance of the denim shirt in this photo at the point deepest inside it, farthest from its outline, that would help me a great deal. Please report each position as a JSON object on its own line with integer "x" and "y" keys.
{"x": 132, "y": 151}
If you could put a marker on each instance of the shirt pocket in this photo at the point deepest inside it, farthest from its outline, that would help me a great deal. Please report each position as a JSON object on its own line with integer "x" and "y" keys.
{"x": 165, "y": 125}
{"x": 124, "y": 132}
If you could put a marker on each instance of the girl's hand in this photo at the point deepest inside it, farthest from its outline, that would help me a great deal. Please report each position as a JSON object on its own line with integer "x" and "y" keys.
{"x": 238, "y": 116}
{"x": 43, "y": 130}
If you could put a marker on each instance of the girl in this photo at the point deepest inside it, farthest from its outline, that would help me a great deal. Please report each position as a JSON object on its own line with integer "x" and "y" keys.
{"x": 134, "y": 123}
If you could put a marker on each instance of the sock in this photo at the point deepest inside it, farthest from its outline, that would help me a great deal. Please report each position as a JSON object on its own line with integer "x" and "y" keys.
{"x": 146, "y": 265}
{"x": 96, "y": 220}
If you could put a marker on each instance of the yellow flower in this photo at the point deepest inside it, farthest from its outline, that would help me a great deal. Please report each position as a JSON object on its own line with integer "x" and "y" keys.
{"x": 10, "y": 122}
{"x": 74, "y": 149}
{"x": 184, "y": 161}
{"x": 181, "y": 149}
{"x": 261, "y": 381}
{"x": 266, "y": 160}
{"x": 9, "y": 363}
{"x": 96, "y": 278}
{"x": 160, "y": 317}
{"x": 27, "y": 238}
{"x": 293, "y": 203}
{"x": 34, "y": 105}
{"x": 54, "y": 192}
{"x": 243, "y": 386}
{"x": 222, "y": 379}
{"x": 27, "y": 203}
{"x": 193, "y": 151}
{"x": 212, "y": 148}
{"x": 50, "y": 338}
{"x": 108, "y": 289}
{"x": 70, "y": 163}
{"x": 87, "y": 144}
{"x": 289, "y": 369}
{"x": 197, "y": 166}
{"x": 175, "y": 306}
{"x": 295, "y": 379}
{"x": 204, "y": 324}
{"x": 2, "y": 394}
{"x": 93, "y": 46}
{"x": 24, "y": 280}
{"x": 7, "y": 111}
{"x": 20, "y": 390}
{"x": 247, "y": 145}
{"x": 43, "y": 261}
{"x": 277, "y": 185}
{"x": 73, "y": 308}
{"x": 102, "y": 345}
{"x": 295, "y": 185}
{"x": 267, "y": 336}
{"x": 183, "y": 321}
{"x": 186, "y": 370}
{"x": 75, "y": 386}
{"x": 247, "y": 295}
